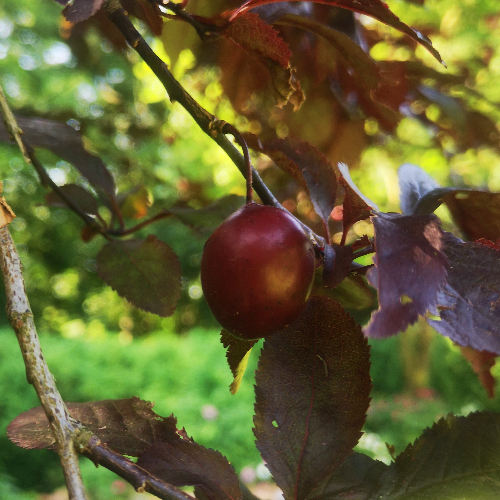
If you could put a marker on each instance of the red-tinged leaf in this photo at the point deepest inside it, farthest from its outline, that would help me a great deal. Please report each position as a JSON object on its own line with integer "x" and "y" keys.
{"x": 261, "y": 40}
{"x": 307, "y": 165}
{"x": 145, "y": 272}
{"x": 208, "y": 218}
{"x": 410, "y": 270}
{"x": 336, "y": 265}
{"x": 312, "y": 392}
{"x": 80, "y": 10}
{"x": 255, "y": 36}
{"x": 482, "y": 362}
{"x": 147, "y": 11}
{"x": 469, "y": 304}
{"x": 129, "y": 426}
{"x": 476, "y": 213}
{"x": 373, "y": 8}
{"x": 237, "y": 354}
{"x": 458, "y": 458}
{"x": 356, "y": 58}
{"x": 354, "y": 479}
{"x": 182, "y": 462}
{"x": 354, "y": 205}
{"x": 65, "y": 142}
{"x": 78, "y": 194}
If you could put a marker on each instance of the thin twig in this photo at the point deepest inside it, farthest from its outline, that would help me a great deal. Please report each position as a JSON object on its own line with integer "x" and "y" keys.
{"x": 206, "y": 121}
{"x": 30, "y": 158}
{"x": 64, "y": 428}
{"x": 231, "y": 129}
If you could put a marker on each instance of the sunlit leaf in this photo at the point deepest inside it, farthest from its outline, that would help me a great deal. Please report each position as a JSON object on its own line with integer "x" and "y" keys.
{"x": 373, "y": 8}
{"x": 237, "y": 354}
{"x": 410, "y": 269}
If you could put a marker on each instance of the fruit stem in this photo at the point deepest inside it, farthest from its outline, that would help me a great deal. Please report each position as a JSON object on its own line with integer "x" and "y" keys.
{"x": 231, "y": 129}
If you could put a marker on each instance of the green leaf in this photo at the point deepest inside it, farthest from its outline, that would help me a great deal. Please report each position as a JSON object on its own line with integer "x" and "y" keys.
{"x": 238, "y": 352}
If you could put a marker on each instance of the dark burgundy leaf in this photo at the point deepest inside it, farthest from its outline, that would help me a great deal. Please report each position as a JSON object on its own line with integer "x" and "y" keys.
{"x": 363, "y": 65}
{"x": 80, "y": 10}
{"x": 146, "y": 272}
{"x": 355, "y": 479}
{"x": 410, "y": 270}
{"x": 469, "y": 304}
{"x": 307, "y": 165}
{"x": 79, "y": 195}
{"x": 312, "y": 392}
{"x": 337, "y": 264}
{"x": 207, "y": 219}
{"x": 182, "y": 462}
{"x": 129, "y": 426}
{"x": 482, "y": 362}
{"x": 476, "y": 213}
{"x": 373, "y": 8}
{"x": 458, "y": 458}
{"x": 419, "y": 193}
{"x": 65, "y": 142}
{"x": 237, "y": 355}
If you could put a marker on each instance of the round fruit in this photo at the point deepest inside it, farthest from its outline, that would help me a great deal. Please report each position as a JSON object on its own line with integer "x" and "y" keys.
{"x": 257, "y": 271}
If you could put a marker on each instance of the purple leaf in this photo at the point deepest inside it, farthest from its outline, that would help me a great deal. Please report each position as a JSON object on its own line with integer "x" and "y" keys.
{"x": 354, "y": 479}
{"x": 312, "y": 392}
{"x": 337, "y": 264}
{"x": 419, "y": 193}
{"x": 410, "y": 270}
{"x": 182, "y": 462}
{"x": 455, "y": 459}
{"x": 476, "y": 213}
{"x": 146, "y": 272}
{"x": 307, "y": 165}
{"x": 65, "y": 142}
{"x": 79, "y": 195}
{"x": 469, "y": 304}
{"x": 80, "y": 10}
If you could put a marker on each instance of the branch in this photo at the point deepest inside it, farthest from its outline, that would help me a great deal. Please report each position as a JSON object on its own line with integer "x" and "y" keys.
{"x": 138, "y": 477}
{"x": 206, "y": 121}
{"x": 64, "y": 428}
